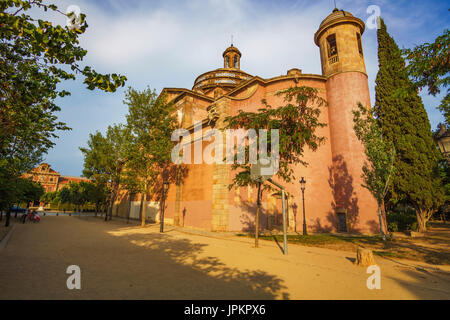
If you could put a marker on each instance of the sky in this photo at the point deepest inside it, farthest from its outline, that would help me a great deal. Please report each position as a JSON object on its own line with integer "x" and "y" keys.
{"x": 168, "y": 43}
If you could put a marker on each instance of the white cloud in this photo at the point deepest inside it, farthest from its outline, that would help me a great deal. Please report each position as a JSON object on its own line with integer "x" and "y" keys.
{"x": 169, "y": 43}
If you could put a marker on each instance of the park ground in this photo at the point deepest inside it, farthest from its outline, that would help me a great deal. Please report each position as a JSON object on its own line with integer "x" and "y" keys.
{"x": 124, "y": 261}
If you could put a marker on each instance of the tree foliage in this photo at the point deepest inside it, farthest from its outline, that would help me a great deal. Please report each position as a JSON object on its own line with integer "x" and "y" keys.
{"x": 297, "y": 122}
{"x": 35, "y": 56}
{"x": 404, "y": 122}
{"x": 380, "y": 153}
{"x": 78, "y": 194}
{"x": 429, "y": 66}
{"x": 16, "y": 190}
{"x": 104, "y": 160}
{"x": 151, "y": 122}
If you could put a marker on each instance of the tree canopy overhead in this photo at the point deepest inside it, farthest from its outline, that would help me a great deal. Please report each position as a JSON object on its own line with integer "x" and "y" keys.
{"x": 35, "y": 56}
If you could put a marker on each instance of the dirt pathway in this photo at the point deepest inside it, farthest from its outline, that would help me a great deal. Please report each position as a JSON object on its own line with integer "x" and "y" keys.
{"x": 120, "y": 261}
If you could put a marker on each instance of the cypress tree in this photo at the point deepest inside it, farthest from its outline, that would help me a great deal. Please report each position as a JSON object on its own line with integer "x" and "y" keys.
{"x": 404, "y": 122}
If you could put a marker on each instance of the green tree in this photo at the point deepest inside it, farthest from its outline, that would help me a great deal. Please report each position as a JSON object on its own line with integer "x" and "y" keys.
{"x": 96, "y": 194}
{"x": 104, "y": 160}
{"x": 80, "y": 193}
{"x": 380, "y": 153}
{"x": 151, "y": 121}
{"x": 429, "y": 66}
{"x": 30, "y": 191}
{"x": 49, "y": 197}
{"x": 65, "y": 196}
{"x": 404, "y": 122}
{"x": 34, "y": 57}
{"x": 297, "y": 122}
{"x": 21, "y": 190}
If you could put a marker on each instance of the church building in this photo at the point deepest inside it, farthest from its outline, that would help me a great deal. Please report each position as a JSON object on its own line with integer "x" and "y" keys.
{"x": 335, "y": 200}
{"x": 51, "y": 180}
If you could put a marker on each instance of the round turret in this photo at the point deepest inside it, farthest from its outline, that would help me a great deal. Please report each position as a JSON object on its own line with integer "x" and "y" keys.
{"x": 339, "y": 40}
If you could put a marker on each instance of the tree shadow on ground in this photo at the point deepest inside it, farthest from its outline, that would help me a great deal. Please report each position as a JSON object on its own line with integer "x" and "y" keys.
{"x": 428, "y": 254}
{"x": 421, "y": 283}
{"x": 189, "y": 274}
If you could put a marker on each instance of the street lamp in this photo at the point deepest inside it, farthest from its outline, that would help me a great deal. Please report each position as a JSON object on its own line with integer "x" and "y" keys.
{"x": 165, "y": 190}
{"x": 443, "y": 140}
{"x": 303, "y": 186}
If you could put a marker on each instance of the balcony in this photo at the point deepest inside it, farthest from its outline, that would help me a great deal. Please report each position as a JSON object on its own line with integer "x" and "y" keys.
{"x": 333, "y": 59}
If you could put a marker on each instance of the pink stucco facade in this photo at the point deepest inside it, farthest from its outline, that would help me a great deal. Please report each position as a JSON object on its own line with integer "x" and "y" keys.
{"x": 334, "y": 198}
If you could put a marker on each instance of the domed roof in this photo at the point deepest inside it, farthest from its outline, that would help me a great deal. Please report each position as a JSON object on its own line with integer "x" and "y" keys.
{"x": 335, "y": 18}
{"x": 336, "y": 14}
{"x": 232, "y": 48}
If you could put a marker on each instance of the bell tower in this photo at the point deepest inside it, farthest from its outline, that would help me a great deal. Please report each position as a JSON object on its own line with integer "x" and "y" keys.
{"x": 232, "y": 58}
{"x": 339, "y": 40}
{"x": 341, "y": 52}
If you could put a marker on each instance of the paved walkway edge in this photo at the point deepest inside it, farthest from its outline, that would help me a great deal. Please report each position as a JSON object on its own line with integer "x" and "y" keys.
{"x": 6, "y": 238}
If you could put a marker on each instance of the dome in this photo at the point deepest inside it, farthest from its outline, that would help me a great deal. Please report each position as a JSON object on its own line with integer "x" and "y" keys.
{"x": 232, "y": 49}
{"x": 336, "y": 14}
{"x": 338, "y": 17}
{"x": 223, "y": 77}
{"x": 228, "y": 77}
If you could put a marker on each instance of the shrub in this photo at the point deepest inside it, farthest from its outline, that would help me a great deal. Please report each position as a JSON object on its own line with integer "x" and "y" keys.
{"x": 401, "y": 221}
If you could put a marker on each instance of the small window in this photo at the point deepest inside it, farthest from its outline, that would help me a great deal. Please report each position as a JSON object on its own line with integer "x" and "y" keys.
{"x": 235, "y": 61}
{"x": 332, "y": 46}
{"x": 358, "y": 38}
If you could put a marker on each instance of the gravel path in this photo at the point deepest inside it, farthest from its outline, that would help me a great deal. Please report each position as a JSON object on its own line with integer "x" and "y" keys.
{"x": 120, "y": 261}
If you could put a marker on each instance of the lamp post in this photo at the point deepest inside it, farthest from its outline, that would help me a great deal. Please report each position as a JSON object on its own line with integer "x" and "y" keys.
{"x": 442, "y": 137}
{"x": 303, "y": 186}
{"x": 165, "y": 189}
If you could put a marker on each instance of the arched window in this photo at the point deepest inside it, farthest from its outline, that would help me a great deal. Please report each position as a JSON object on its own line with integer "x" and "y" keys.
{"x": 358, "y": 38}
{"x": 332, "y": 46}
{"x": 235, "y": 61}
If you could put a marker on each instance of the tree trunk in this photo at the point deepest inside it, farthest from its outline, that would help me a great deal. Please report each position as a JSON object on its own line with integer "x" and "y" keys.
{"x": 383, "y": 214}
{"x": 144, "y": 209}
{"x": 109, "y": 208}
{"x": 8, "y": 216}
{"x": 421, "y": 220}
{"x": 258, "y": 204}
{"x": 383, "y": 235}
{"x": 129, "y": 208}
{"x": 111, "y": 204}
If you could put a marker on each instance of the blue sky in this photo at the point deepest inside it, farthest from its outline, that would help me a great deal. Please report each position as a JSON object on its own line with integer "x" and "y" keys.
{"x": 169, "y": 43}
